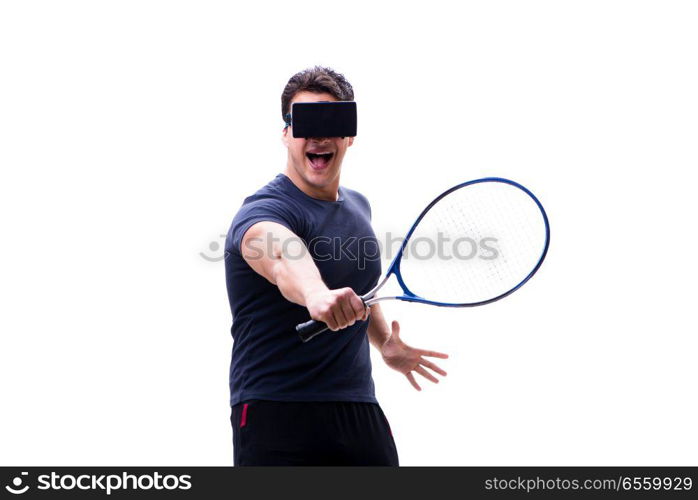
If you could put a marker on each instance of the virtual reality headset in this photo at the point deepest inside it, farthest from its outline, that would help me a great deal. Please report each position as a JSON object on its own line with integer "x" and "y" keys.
{"x": 322, "y": 119}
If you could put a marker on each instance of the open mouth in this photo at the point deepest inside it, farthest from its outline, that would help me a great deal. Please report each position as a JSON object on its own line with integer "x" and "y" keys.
{"x": 319, "y": 160}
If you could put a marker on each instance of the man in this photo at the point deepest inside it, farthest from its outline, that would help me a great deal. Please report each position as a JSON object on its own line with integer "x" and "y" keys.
{"x": 313, "y": 403}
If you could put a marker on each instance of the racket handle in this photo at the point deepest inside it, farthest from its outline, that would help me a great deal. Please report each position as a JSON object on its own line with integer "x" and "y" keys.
{"x": 310, "y": 329}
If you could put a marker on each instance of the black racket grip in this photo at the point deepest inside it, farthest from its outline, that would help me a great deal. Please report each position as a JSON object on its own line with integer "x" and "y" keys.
{"x": 310, "y": 329}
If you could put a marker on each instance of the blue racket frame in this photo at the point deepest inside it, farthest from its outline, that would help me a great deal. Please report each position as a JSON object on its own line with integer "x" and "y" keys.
{"x": 394, "y": 268}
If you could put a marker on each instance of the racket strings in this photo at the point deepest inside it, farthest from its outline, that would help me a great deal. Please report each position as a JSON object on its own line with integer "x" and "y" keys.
{"x": 474, "y": 244}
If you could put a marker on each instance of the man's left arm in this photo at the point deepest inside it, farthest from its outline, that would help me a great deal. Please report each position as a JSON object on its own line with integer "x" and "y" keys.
{"x": 398, "y": 355}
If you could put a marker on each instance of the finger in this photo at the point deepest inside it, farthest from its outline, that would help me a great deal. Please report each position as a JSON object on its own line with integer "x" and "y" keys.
{"x": 358, "y": 306}
{"x": 325, "y": 317}
{"x": 426, "y": 374}
{"x": 432, "y": 366}
{"x": 331, "y": 321}
{"x": 348, "y": 312}
{"x": 396, "y": 329}
{"x": 433, "y": 354}
{"x": 365, "y": 315}
{"x": 414, "y": 383}
{"x": 338, "y": 311}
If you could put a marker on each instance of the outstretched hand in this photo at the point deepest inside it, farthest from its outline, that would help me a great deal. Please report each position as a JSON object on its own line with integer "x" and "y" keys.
{"x": 406, "y": 359}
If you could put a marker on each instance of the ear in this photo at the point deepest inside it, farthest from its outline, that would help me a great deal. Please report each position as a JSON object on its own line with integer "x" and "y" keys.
{"x": 284, "y": 136}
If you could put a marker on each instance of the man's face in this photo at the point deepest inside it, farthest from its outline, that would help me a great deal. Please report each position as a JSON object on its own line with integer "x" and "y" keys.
{"x": 315, "y": 162}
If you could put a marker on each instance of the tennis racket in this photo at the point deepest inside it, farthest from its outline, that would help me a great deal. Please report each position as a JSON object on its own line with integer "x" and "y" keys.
{"x": 480, "y": 241}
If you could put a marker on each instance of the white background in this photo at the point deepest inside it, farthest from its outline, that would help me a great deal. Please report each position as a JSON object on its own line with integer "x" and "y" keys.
{"x": 131, "y": 131}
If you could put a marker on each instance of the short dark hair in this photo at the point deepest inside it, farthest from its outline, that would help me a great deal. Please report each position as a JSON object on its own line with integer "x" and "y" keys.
{"x": 317, "y": 79}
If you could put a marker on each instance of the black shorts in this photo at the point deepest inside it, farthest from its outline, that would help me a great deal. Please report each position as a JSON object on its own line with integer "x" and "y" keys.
{"x": 311, "y": 433}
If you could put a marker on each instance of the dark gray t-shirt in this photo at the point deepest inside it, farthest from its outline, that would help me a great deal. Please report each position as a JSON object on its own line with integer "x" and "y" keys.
{"x": 269, "y": 361}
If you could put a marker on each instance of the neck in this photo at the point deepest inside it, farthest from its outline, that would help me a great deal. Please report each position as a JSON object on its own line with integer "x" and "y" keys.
{"x": 326, "y": 193}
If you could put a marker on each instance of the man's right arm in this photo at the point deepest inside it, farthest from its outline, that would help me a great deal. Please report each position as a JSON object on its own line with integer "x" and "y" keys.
{"x": 280, "y": 256}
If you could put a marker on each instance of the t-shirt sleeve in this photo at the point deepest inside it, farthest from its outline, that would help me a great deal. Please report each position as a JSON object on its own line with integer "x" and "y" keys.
{"x": 363, "y": 202}
{"x": 264, "y": 210}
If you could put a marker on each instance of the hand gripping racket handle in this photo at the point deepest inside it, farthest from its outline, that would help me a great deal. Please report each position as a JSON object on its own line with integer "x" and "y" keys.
{"x": 310, "y": 329}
